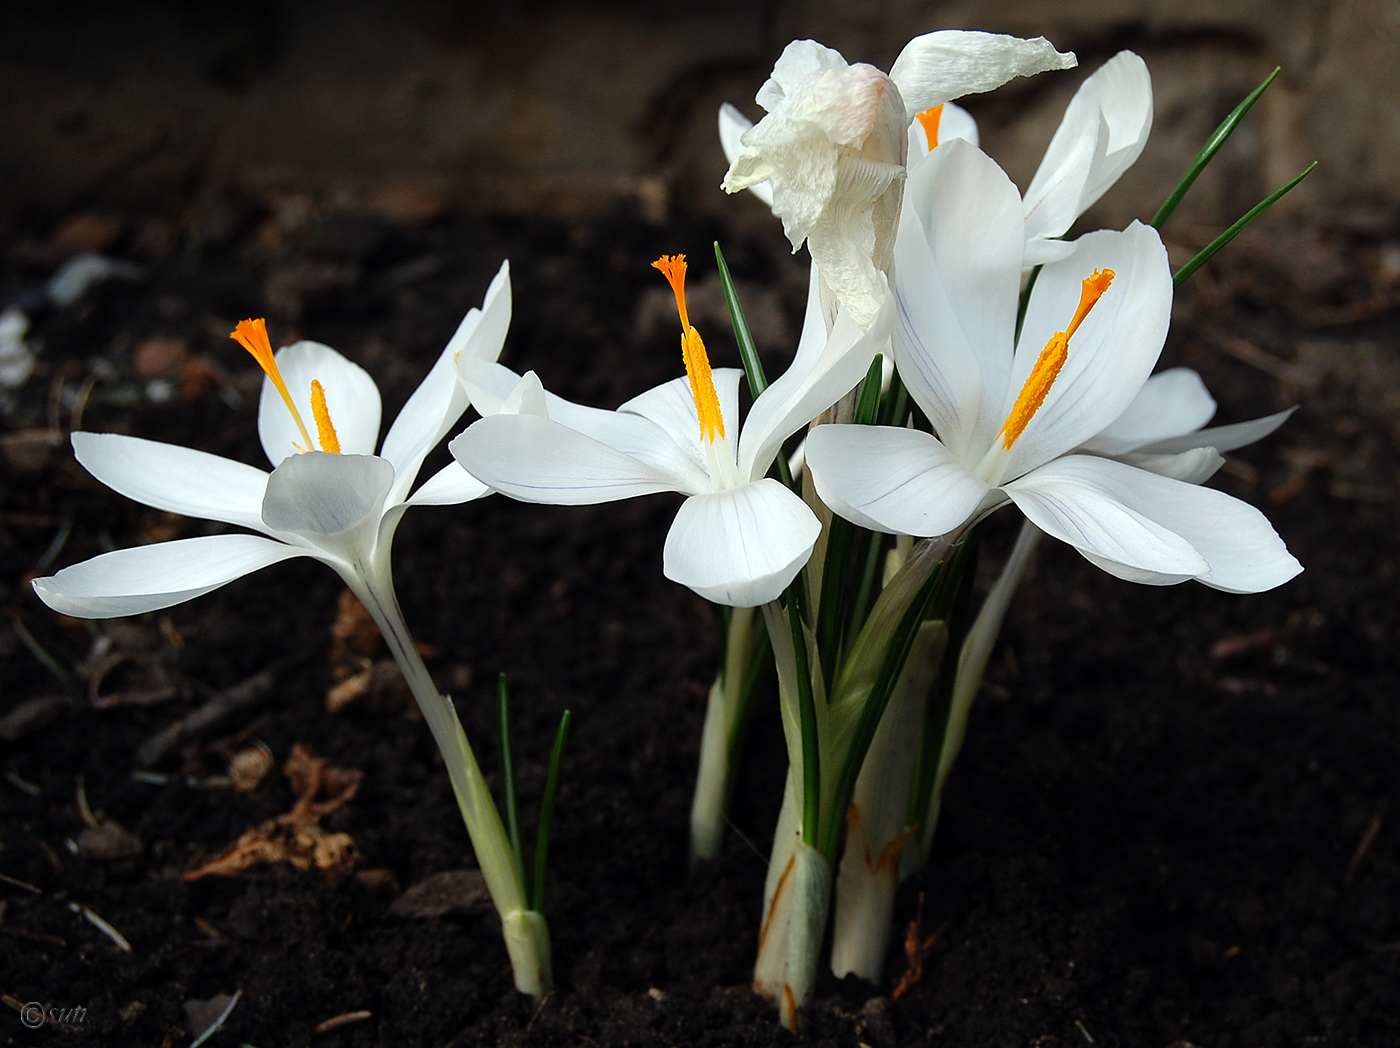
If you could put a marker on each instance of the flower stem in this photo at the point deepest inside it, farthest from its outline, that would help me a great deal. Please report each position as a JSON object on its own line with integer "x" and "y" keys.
{"x": 525, "y": 931}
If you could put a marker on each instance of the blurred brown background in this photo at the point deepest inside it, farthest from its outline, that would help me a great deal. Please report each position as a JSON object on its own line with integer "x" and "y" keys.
{"x": 556, "y": 109}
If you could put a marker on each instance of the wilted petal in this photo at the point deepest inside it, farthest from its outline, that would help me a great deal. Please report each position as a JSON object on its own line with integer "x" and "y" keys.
{"x": 1095, "y": 505}
{"x": 957, "y": 280}
{"x": 939, "y": 67}
{"x": 175, "y": 479}
{"x": 901, "y": 481}
{"x": 352, "y": 400}
{"x": 733, "y": 125}
{"x": 742, "y": 546}
{"x": 332, "y": 501}
{"x": 536, "y": 459}
{"x": 147, "y": 578}
{"x": 1171, "y": 403}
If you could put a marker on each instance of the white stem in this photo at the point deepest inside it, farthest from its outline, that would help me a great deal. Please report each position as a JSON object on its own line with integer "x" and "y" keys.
{"x": 791, "y": 938}
{"x": 876, "y": 824}
{"x": 528, "y": 948}
{"x": 972, "y": 665}
{"x": 718, "y": 747}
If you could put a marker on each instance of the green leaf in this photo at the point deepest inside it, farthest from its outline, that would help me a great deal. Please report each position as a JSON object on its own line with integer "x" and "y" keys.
{"x": 506, "y": 758}
{"x": 1208, "y": 151}
{"x": 748, "y": 350}
{"x": 1238, "y": 228}
{"x": 551, "y": 786}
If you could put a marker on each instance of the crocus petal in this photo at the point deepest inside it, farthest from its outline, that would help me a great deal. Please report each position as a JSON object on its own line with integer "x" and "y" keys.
{"x": 957, "y": 278}
{"x": 1111, "y": 355}
{"x": 1171, "y": 403}
{"x": 741, "y": 546}
{"x": 1193, "y": 467}
{"x": 449, "y": 486}
{"x": 332, "y": 501}
{"x": 733, "y": 125}
{"x": 440, "y": 399}
{"x": 536, "y": 459}
{"x": 671, "y": 406}
{"x": 147, "y": 578}
{"x": 1093, "y": 504}
{"x": 175, "y": 479}
{"x": 1221, "y": 438}
{"x": 811, "y": 385}
{"x": 901, "y": 481}
{"x": 352, "y": 400}
{"x": 1103, "y": 132}
{"x": 1241, "y": 550}
{"x": 939, "y": 67}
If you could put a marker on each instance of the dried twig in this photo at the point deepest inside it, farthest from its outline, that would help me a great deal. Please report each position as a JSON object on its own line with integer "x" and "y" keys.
{"x": 241, "y": 696}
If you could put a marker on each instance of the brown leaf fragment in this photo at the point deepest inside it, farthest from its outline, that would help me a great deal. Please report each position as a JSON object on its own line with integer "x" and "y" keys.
{"x": 297, "y": 837}
{"x": 451, "y": 891}
{"x": 916, "y": 948}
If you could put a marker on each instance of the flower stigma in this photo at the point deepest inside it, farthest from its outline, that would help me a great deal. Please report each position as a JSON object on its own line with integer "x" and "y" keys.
{"x": 929, "y": 119}
{"x": 252, "y": 335}
{"x": 697, "y": 363}
{"x": 1052, "y": 358}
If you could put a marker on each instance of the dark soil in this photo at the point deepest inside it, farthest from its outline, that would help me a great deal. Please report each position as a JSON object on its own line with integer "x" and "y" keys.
{"x": 1173, "y": 822}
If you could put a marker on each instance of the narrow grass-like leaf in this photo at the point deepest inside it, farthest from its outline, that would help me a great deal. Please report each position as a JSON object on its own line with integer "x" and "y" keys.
{"x": 748, "y": 350}
{"x": 1238, "y": 228}
{"x": 551, "y": 786}
{"x": 874, "y": 709}
{"x": 870, "y": 557}
{"x": 506, "y": 759}
{"x": 1208, "y": 151}
{"x": 1025, "y": 301}
{"x": 807, "y": 722}
{"x": 831, "y": 609}
{"x": 758, "y": 660}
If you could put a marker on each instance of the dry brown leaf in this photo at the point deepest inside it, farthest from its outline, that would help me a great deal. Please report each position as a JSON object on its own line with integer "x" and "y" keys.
{"x": 297, "y": 837}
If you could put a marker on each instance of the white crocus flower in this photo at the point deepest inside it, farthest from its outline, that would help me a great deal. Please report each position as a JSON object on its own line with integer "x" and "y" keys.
{"x": 1100, "y": 136}
{"x": 1008, "y": 424}
{"x": 834, "y": 143}
{"x": 739, "y": 538}
{"x": 329, "y": 496}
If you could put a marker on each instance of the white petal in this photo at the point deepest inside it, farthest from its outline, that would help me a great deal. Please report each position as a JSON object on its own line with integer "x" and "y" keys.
{"x": 671, "y": 406}
{"x": 175, "y": 479}
{"x": 449, "y": 486}
{"x": 1103, "y": 132}
{"x": 440, "y": 400}
{"x": 332, "y": 501}
{"x": 1193, "y": 467}
{"x": 939, "y": 67}
{"x": 813, "y": 383}
{"x": 1221, "y": 438}
{"x": 732, "y": 126}
{"x": 1244, "y": 553}
{"x": 1111, "y": 355}
{"x": 743, "y": 546}
{"x": 147, "y": 578}
{"x": 1094, "y": 504}
{"x": 901, "y": 481}
{"x": 957, "y": 281}
{"x": 352, "y": 400}
{"x": 1172, "y": 403}
{"x": 536, "y": 459}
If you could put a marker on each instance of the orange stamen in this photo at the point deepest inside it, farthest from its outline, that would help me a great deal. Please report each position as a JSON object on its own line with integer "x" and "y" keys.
{"x": 329, "y": 441}
{"x": 252, "y": 336}
{"x": 697, "y": 363}
{"x": 1052, "y": 358}
{"x": 930, "y": 118}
